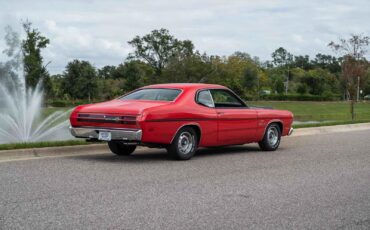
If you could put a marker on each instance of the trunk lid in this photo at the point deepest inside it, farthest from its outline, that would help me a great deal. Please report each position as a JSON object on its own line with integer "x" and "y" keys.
{"x": 112, "y": 114}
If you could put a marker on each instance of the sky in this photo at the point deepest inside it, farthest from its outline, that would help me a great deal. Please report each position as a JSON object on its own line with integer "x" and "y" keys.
{"x": 98, "y": 31}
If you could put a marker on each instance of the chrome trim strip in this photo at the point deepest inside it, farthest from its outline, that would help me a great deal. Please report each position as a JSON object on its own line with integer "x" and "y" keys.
{"x": 290, "y": 131}
{"x": 149, "y": 87}
{"x": 117, "y": 134}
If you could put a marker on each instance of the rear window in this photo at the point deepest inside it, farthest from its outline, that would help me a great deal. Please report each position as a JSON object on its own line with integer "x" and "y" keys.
{"x": 153, "y": 95}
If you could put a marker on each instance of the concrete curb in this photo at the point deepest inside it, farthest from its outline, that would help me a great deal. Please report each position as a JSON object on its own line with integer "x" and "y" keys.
{"x": 331, "y": 129}
{"x": 16, "y": 154}
{"x": 24, "y": 154}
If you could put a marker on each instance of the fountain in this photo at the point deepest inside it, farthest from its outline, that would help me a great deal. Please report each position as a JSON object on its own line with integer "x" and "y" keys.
{"x": 21, "y": 116}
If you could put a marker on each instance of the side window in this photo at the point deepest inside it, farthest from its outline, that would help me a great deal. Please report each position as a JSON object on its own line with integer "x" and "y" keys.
{"x": 204, "y": 97}
{"x": 224, "y": 98}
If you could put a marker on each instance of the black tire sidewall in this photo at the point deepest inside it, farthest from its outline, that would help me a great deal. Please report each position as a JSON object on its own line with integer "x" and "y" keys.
{"x": 264, "y": 144}
{"x": 173, "y": 149}
{"x": 121, "y": 149}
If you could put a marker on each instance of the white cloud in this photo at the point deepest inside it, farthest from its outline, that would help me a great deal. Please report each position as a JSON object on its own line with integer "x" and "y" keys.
{"x": 98, "y": 31}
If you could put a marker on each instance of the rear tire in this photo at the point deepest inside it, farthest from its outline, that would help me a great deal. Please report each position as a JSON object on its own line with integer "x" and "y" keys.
{"x": 271, "y": 139}
{"x": 121, "y": 149}
{"x": 184, "y": 144}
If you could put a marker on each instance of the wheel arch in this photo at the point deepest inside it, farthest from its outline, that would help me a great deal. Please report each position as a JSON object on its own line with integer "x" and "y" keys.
{"x": 195, "y": 126}
{"x": 278, "y": 122}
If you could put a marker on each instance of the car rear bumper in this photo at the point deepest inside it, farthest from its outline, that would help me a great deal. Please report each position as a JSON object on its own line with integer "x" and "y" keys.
{"x": 116, "y": 134}
{"x": 290, "y": 131}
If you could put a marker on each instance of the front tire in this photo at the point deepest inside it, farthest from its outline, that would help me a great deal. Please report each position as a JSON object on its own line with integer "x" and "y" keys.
{"x": 121, "y": 149}
{"x": 271, "y": 139}
{"x": 184, "y": 144}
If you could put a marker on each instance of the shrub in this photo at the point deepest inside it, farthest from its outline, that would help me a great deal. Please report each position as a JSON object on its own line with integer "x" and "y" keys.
{"x": 298, "y": 97}
{"x": 59, "y": 103}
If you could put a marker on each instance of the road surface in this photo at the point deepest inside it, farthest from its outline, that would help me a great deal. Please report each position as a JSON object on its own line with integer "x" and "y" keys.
{"x": 311, "y": 182}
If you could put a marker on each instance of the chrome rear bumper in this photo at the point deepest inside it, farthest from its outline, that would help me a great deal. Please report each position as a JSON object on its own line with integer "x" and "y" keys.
{"x": 290, "y": 131}
{"x": 117, "y": 134}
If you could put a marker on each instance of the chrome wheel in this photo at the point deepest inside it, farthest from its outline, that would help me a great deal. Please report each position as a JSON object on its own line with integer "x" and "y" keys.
{"x": 272, "y": 136}
{"x": 186, "y": 143}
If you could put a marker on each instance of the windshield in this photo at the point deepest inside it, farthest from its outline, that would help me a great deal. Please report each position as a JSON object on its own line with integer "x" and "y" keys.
{"x": 153, "y": 95}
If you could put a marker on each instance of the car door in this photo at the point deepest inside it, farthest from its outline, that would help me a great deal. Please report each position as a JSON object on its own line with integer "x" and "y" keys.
{"x": 237, "y": 124}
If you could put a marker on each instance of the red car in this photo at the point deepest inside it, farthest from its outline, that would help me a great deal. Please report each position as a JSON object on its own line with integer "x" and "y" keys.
{"x": 181, "y": 118}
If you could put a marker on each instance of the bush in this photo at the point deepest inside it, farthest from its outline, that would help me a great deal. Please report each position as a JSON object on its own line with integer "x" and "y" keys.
{"x": 298, "y": 97}
{"x": 68, "y": 103}
{"x": 58, "y": 103}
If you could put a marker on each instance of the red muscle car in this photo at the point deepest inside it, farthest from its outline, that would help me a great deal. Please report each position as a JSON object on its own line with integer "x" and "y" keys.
{"x": 181, "y": 118}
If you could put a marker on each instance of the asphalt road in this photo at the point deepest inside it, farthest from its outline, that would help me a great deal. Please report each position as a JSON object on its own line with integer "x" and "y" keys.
{"x": 311, "y": 182}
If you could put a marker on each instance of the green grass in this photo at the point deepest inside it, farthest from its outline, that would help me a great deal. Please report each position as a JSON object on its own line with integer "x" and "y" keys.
{"x": 49, "y": 110}
{"x": 319, "y": 111}
{"x": 42, "y": 144}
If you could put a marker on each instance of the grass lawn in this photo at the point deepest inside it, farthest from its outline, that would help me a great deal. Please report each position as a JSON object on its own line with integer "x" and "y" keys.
{"x": 49, "y": 110}
{"x": 320, "y": 111}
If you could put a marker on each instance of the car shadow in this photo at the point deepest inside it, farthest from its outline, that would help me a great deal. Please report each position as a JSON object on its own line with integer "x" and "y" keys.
{"x": 145, "y": 155}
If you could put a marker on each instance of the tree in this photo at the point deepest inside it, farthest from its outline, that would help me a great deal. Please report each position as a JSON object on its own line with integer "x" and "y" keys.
{"x": 354, "y": 66}
{"x": 282, "y": 58}
{"x": 355, "y": 46}
{"x": 279, "y": 86}
{"x": 34, "y": 69}
{"x": 250, "y": 79}
{"x": 133, "y": 75}
{"x": 328, "y": 62}
{"x": 302, "y": 62}
{"x": 80, "y": 80}
{"x": 106, "y": 72}
{"x": 158, "y": 47}
{"x": 302, "y": 89}
{"x": 190, "y": 68}
{"x": 319, "y": 81}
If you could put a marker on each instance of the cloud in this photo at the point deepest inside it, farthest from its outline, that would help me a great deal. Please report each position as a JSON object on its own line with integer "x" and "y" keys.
{"x": 98, "y": 31}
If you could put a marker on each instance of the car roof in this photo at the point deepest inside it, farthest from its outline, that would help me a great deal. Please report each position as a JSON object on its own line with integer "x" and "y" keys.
{"x": 186, "y": 86}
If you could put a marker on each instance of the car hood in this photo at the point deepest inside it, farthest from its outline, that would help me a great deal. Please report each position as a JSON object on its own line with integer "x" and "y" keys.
{"x": 133, "y": 107}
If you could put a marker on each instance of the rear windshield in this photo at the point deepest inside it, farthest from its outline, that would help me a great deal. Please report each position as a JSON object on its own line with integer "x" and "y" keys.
{"x": 153, "y": 95}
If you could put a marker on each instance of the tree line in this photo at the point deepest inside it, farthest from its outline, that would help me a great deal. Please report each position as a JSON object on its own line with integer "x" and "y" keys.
{"x": 159, "y": 57}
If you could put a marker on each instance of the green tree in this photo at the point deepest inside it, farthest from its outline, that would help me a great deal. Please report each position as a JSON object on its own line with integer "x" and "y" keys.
{"x": 106, "y": 72}
{"x": 302, "y": 89}
{"x": 80, "y": 80}
{"x": 283, "y": 59}
{"x": 319, "y": 81}
{"x": 133, "y": 75}
{"x": 34, "y": 69}
{"x": 250, "y": 79}
{"x": 302, "y": 62}
{"x": 158, "y": 47}
{"x": 328, "y": 62}
{"x": 279, "y": 86}
{"x": 190, "y": 68}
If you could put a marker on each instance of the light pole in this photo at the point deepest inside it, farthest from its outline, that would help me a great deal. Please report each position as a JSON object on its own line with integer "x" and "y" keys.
{"x": 358, "y": 88}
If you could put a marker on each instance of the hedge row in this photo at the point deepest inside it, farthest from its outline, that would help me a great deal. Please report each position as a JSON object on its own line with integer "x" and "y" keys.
{"x": 65, "y": 103}
{"x": 299, "y": 97}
